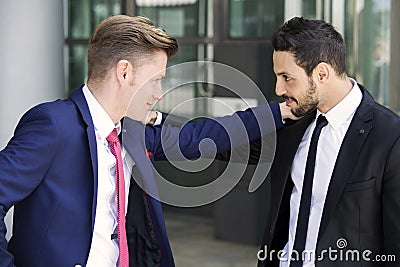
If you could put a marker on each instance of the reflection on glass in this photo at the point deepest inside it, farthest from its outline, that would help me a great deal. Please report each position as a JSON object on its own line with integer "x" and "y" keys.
{"x": 367, "y": 36}
{"x": 79, "y": 19}
{"x": 255, "y": 18}
{"x": 77, "y": 65}
{"x": 180, "y": 20}
{"x": 179, "y": 95}
{"x": 309, "y": 8}
{"x": 102, "y": 9}
{"x": 183, "y": 18}
{"x": 85, "y": 15}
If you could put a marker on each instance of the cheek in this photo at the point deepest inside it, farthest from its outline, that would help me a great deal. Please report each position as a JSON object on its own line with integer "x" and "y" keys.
{"x": 143, "y": 96}
{"x": 294, "y": 88}
{"x": 301, "y": 88}
{"x": 146, "y": 91}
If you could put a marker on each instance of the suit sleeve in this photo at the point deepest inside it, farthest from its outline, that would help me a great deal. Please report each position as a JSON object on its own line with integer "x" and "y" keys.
{"x": 23, "y": 164}
{"x": 391, "y": 204}
{"x": 208, "y": 137}
{"x": 177, "y": 121}
{"x": 256, "y": 146}
{"x": 173, "y": 120}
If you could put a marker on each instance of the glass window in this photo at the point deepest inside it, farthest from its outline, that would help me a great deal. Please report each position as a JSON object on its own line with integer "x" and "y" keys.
{"x": 187, "y": 20}
{"x": 367, "y": 35}
{"x": 77, "y": 65}
{"x": 254, "y": 18}
{"x": 101, "y": 9}
{"x": 180, "y": 94}
{"x": 188, "y": 23}
{"x": 78, "y": 22}
{"x": 309, "y": 9}
{"x": 180, "y": 20}
{"x": 83, "y": 17}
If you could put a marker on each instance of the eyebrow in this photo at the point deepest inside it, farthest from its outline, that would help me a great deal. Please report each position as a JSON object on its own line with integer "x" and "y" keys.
{"x": 160, "y": 76}
{"x": 282, "y": 73}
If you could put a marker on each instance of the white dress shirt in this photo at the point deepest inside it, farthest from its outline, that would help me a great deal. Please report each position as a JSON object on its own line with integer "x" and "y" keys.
{"x": 330, "y": 141}
{"x": 158, "y": 119}
{"x": 103, "y": 250}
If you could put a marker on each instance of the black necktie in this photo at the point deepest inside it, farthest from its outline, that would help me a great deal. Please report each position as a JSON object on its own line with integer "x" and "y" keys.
{"x": 305, "y": 203}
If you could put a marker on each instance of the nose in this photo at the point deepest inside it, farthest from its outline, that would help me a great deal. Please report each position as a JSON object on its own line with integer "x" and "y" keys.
{"x": 157, "y": 93}
{"x": 280, "y": 88}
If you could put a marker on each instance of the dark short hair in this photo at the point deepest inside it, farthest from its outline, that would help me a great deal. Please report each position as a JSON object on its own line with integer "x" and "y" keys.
{"x": 125, "y": 37}
{"x": 311, "y": 42}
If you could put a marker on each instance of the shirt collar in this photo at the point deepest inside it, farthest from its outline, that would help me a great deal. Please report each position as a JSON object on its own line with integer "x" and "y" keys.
{"x": 345, "y": 109}
{"x": 101, "y": 120}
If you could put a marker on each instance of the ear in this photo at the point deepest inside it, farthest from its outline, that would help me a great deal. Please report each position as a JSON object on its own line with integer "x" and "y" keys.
{"x": 122, "y": 70}
{"x": 322, "y": 72}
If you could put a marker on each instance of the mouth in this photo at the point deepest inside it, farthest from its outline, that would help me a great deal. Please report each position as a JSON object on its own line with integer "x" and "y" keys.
{"x": 289, "y": 100}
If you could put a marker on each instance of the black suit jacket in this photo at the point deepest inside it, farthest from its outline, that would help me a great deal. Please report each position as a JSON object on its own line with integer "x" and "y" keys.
{"x": 362, "y": 205}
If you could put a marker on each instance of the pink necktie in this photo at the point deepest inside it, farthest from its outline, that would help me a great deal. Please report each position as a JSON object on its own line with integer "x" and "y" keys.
{"x": 115, "y": 148}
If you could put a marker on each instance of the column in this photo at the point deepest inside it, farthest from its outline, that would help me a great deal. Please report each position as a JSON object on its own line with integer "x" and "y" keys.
{"x": 31, "y": 65}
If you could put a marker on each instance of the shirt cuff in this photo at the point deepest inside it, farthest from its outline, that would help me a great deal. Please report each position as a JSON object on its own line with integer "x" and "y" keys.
{"x": 159, "y": 118}
{"x": 276, "y": 112}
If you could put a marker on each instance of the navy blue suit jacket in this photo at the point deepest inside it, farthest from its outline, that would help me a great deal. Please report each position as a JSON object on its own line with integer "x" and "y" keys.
{"x": 48, "y": 171}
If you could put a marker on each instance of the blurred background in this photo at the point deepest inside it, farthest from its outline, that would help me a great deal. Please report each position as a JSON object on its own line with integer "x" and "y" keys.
{"x": 43, "y": 47}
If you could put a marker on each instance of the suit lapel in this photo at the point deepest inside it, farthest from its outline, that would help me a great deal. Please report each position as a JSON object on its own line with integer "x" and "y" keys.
{"x": 134, "y": 143}
{"x": 288, "y": 140}
{"x": 80, "y": 101}
{"x": 144, "y": 175}
{"x": 353, "y": 141}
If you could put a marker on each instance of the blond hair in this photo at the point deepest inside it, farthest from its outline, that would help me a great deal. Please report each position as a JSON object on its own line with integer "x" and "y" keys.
{"x": 124, "y": 37}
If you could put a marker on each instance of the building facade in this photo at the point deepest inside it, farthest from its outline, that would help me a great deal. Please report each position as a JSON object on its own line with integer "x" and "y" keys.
{"x": 237, "y": 33}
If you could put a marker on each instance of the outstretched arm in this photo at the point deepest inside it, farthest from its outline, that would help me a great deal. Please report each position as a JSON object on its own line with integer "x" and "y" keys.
{"x": 279, "y": 111}
{"x": 284, "y": 112}
{"x": 225, "y": 132}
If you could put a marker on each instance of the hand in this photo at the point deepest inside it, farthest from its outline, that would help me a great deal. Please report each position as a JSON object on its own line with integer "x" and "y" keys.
{"x": 151, "y": 117}
{"x": 286, "y": 112}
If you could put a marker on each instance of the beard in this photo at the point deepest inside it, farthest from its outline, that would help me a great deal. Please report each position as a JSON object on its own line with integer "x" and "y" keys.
{"x": 308, "y": 103}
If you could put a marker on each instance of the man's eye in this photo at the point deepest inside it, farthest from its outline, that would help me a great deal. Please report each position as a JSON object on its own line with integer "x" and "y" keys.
{"x": 158, "y": 79}
{"x": 286, "y": 78}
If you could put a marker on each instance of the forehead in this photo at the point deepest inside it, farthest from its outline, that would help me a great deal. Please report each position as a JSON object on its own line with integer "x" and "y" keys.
{"x": 284, "y": 62}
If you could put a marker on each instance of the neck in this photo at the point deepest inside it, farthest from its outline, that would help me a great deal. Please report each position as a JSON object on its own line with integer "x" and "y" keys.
{"x": 334, "y": 92}
{"x": 106, "y": 95}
